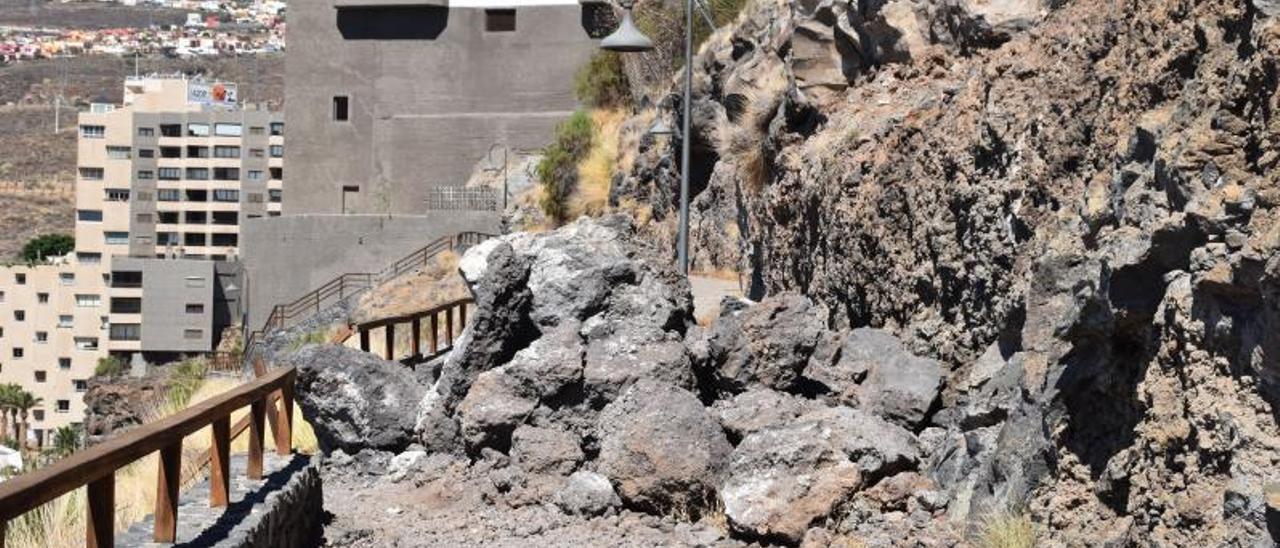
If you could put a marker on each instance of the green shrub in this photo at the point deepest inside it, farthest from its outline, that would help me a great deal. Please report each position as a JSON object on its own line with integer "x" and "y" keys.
{"x": 1007, "y": 530}
{"x": 601, "y": 82}
{"x": 47, "y": 245}
{"x": 185, "y": 381}
{"x": 319, "y": 336}
{"x": 558, "y": 169}
{"x": 110, "y": 366}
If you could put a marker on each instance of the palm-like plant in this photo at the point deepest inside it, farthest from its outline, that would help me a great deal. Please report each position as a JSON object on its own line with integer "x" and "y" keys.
{"x": 24, "y": 402}
{"x": 8, "y": 394}
{"x": 66, "y": 440}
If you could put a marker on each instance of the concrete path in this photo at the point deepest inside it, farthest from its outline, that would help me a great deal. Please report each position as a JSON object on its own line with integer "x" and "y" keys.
{"x": 707, "y": 293}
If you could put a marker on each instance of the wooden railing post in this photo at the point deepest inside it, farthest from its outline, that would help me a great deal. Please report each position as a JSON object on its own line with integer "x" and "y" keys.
{"x": 415, "y": 328}
{"x": 364, "y": 340}
{"x": 170, "y": 477}
{"x": 435, "y": 333}
{"x": 100, "y": 526}
{"x": 462, "y": 315}
{"x": 220, "y": 463}
{"x": 389, "y": 348}
{"x": 257, "y": 416}
{"x": 448, "y": 325}
{"x": 3, "y": 526}
{"x": 284, "y": 430}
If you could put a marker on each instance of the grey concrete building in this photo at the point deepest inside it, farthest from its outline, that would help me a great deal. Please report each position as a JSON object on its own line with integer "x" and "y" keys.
{"x": 175, "y": 297}
{"x": 389, "y": 98}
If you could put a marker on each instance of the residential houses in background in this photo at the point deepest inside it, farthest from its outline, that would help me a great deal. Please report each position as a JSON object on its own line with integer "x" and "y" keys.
{"x": 163, "y": 184}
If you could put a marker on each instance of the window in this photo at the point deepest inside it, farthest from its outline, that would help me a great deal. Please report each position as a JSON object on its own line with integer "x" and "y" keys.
{"x": 142, "y": 197}
{"x": 42, "y": 337}
{"x": 126, "y": 305}
{"x": 126, "y": 332}
{"x": 42, "y": 298}
{"x": 277, "y": 173}
{"x": 255, "y": 197}
{"x": 89, "y": 216}
{"x": 196, "y": 218}
{"x": 146, "y": 153}
{"x": 38, "y": 416}
{"x": 225, "y": 240}
{"x": 229, "y": 218}
{"x": 227, "y": 130}
{"x": 17, "y": 352}
{"x": 195, "y": 308}
{"x": 168, "y": 217}
{"x": 93, "y": 132}
{"x": 277, "y": 151}
{"x": 171, "y": 130}
{"x": 19, "y": 315}
{"x": 197, "y": 130}
{"x": 273, "y": 213}
{"x": 20, "y": 278}
{"x": 340, "y": 108}
{"x": 117, "y": 194}
{"x": 257, "y": 130}
{"x": 116, "y": 238}
{"x": 126, "y": 278}
{"x": 276, "y": 195}
{"x": 65, "y": 321}
{"x": 67, "y": 278}
{"x": 170, "y": 173}
{"x": 41, "y": 376}
{"x": 146, "y": 175}
{"x": 226, "y": 152}
{"x": 226, "y": 174}
{"x": 257, "y": 153}
{"x": 144, "y": 218}
{"x": 256, "y": 175}
{"x": 88, "y": 301}
{"x": 86, "y": 343}
{"x": 1, "y": 296}
{"x": 146, "y": 132}
{"x": 193, "y": 334}
{"x": 119, "y": 153}
{"x": 170, "y": 152}
{"x": 80, "y": 385}
{"x": 198, "y": 174}
{"x": 168, "y": 195}
{"x": 193, "y": 239}
{"x": 167, "y": 238}
{"x": 88, "y": 258}
{"x": 193, "y": 195}
{"x": 64, "y": 406}
{"x": 197, "y": 152}
{"x": 91, "y": 173}
{"x": 277, "y": 128}
{"x": 226, "y": 195}
{"x": 500, "y": 20}
{"x": 64, "y": 363}
{"x": 195, "y": 282}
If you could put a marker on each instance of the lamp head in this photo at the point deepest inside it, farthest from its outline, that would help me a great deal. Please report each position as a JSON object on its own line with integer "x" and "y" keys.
{"x": 628, "y": 38}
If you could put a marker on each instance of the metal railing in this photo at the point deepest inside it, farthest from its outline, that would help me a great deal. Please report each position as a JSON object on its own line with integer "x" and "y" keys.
{"x": 452, "y": 198}
{"x": 95, "y": 467}
{"x": 350, "y": 284}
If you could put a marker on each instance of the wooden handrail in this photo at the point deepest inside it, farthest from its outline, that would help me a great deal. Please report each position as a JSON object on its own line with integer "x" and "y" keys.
{"x": 97, "y": 465}
{"x": 414, "y": 319}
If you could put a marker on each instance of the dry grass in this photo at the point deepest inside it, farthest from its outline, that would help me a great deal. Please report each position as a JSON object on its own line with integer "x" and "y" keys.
{"x": 741, "y": 140}
{"x": 60, "y": 523}
{"x": 1006, "y": 530}
{"x": 595, "y": 171}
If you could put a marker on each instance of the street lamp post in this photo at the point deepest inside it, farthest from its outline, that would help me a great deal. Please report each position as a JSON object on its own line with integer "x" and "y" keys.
{"x": 629, "y": 39}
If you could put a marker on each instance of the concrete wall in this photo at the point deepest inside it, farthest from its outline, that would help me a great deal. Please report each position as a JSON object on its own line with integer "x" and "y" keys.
{"x": 430, "y": 91}
{"x": 287, "y": 257}
{"x": 168, "y": 286}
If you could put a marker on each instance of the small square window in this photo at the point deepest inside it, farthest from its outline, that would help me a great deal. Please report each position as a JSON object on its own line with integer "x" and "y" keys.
{"x": 64, "y": 363}
{"x": 500, "y": 20}
{"x": 19, "y": 315}
{"x": 18, "y": 352}
{"x": 195, "y": 308}
{"x": 20, "y": 278}
{"x": 37, "y": 415}
{"x": 42, "y": 298}
{"x": 340, "y": 108}
{"x": 65, "y": 321}
{"x": 42, "y": 336}
{"x": 41, "y": 376}
{"x": 64, "y": 406}
{"x": 80, "y": 385}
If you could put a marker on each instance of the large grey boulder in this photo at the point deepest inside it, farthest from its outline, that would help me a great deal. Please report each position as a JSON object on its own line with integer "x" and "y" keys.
{"x": 619, "y": 354}
{"x": 492, "y": 409}
{"x": 761, "y": 408}
{"x": 661, "y": 447}
{"x": 552, "y": 364}
{"x": 545, "y": 450}
{"x": 355, "y": 400}
{"x": 767, "y": 344}
{"x": 875, "y": 372}
{"x": 781, "y": 480}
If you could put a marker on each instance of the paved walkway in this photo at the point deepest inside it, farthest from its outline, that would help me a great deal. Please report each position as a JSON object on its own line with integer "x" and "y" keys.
{"x": 707, "y": 293}
{"x": 200, "y": 525}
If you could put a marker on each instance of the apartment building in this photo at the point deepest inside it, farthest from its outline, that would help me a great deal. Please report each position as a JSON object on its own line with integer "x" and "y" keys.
{"x": 164, "y": 182}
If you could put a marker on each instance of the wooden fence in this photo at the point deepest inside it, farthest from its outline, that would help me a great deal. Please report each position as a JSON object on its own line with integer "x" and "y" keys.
{"x": 433, "y": 316}
{"x": 95, "y": 467}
